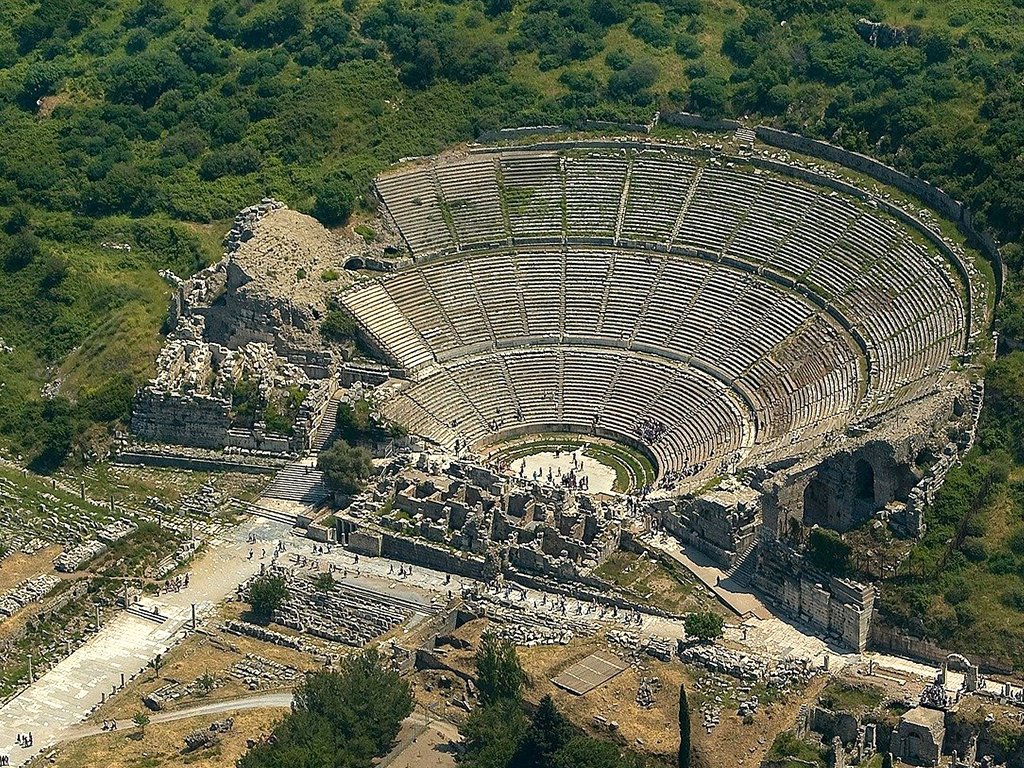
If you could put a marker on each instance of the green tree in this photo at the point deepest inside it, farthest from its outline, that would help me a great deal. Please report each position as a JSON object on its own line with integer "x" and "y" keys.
{"x": 354, "y": 420}
{"x": 500, "y": 676}
{"x": 708, "y": 96}
{"x": 335, "y": 202}
{"x": 704, "y": 626}
{"x": 548, "y": 733}
{"x": 324, "y": 582}
{"x": 22, "y": 249}
{"x": 266, "y": 594}
{"x": 684, "y": 728}
{"x": 338, "y": 326}
{"x": 493, "y": 733}
{"x": 827, "y": 550}
{"x": 341, "y": 718}
{"x": 345, "y": 468}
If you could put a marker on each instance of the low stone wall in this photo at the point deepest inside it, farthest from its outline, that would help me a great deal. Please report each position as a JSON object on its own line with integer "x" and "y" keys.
{"x": 189, "y": 462}
{"x": 421, "y": 553}
{"x": 511, "y": 134}
{"x": 690, "y": 120}
{"x": 886, "y": 637}
{"x": 590, "y": 593}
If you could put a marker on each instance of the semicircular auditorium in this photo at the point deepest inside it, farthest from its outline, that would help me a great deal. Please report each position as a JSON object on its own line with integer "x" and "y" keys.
{"x": 717, "y": 314}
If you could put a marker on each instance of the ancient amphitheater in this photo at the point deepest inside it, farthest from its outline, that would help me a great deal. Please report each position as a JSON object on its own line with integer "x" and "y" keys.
{"x": 714, "y": 313}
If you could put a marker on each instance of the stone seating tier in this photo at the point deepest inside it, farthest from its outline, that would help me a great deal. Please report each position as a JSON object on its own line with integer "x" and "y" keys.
{"x": 748, "y": 314}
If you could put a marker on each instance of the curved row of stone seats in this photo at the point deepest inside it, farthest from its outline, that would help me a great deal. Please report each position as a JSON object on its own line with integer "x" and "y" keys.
{"x": 534, "y": 193}
{"x": 414, "y": 203}
{"x": 603, "y": 176}
{"x": 597, "y": 282}
{"x": 588, "y": 388}
{"x": 688, "y": 308}
{"x": 585, "y": 387}
{"x": 830, "y": 241}
{"x": 471, "y": 188}
{"x": 389, "y": 325}
{"x": 775, "y": 343}
{"x": 659, "y": 184}
{"x": 534, "y": 180}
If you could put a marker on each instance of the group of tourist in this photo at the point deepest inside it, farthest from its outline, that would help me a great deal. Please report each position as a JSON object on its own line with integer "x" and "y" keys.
{"x": 176, "y": 584}
{"x": 648, "y": 429}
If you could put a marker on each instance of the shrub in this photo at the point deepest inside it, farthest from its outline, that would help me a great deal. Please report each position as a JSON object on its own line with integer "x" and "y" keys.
{"x": 827, "y": 550}
{"x": 704, "y": 626}
{"x": 345, "y": 468}
{"x": 338, "y": 326}
{"x": 266, "y": 595}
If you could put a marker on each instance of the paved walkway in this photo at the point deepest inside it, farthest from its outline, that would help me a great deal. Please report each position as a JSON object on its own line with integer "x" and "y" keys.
{"x": 67, "y": 694}
{"x": 735, "y": 596}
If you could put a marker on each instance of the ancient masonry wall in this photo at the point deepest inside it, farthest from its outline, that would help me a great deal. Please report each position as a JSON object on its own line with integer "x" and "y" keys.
{"x": 226, "y": 324}
{"x": 839, "y": 607}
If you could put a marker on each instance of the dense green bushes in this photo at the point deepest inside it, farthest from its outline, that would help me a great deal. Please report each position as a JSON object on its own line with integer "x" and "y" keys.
{"x": 341, "y": 718}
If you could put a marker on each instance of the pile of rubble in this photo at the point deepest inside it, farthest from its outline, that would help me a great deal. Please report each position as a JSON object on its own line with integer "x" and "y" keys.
{"x": 73, "y": 559}
{"x": 645, "y": 695}
{"x": 29, "y": 591}
{"x": 257, "y": 632}
{"x": 203, "y": 502}
{"x": 721, "y": 660}
{"x": 176, "y": 559}
{"x": 257, "y": 672}
{"x": 710, "y": 714}
{"x": 116, "y": 531}
{"x": 661, "y": 648}
{"x": 200, "y": 739}
{"x": 529, "y": 623}
{"x": 338, "y": 614}
{"x": 172, "y": 692}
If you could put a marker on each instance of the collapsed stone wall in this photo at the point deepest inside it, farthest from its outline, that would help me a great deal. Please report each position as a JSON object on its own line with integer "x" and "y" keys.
{"x": 257, "y": 311}
{"x": 722, "y": 523}
{"x": 895, "y": 469}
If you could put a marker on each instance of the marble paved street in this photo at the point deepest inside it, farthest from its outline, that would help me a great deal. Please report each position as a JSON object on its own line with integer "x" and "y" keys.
{"x": 69, "y": 692}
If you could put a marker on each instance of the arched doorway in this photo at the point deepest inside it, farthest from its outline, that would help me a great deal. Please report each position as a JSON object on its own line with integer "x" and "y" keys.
{"x": 864, "y": 482}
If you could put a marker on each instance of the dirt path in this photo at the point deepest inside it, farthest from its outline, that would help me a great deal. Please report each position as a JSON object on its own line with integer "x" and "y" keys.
{"x": 216, "y": 708}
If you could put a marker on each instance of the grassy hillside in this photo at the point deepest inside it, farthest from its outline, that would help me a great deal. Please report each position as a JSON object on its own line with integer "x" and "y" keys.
{"x": 150, "y": 122}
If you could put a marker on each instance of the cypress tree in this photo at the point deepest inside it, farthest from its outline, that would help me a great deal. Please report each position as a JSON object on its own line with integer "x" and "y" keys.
{"x": 684, "y": 728}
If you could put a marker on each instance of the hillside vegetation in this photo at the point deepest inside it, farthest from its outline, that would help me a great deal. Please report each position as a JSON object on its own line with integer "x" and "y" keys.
{"x": 150, "y": 122}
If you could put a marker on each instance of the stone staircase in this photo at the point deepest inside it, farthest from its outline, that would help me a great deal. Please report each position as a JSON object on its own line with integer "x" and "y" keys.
{"x": 743, "y": 569}
{"x": 267, "y": 513}
{"x": 145, "y": 613}
{"x": 326, "y": 433}
{"x": 300, "y": 483}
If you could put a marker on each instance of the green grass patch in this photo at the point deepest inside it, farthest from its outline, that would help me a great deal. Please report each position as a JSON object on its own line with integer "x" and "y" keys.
{"x": 840, "y": 695}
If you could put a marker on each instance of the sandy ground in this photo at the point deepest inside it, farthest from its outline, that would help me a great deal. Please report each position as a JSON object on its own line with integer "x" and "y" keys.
{"x": 19, "y": 566}
{"x": 422, "y": 743}
{"x": 601, "y": 477}
{"x": 161, "y": 744}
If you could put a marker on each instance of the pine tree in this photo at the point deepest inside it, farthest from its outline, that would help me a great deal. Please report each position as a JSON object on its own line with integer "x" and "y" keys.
{"x": 684, "y": 728}
{"x": 499, "y": 674}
